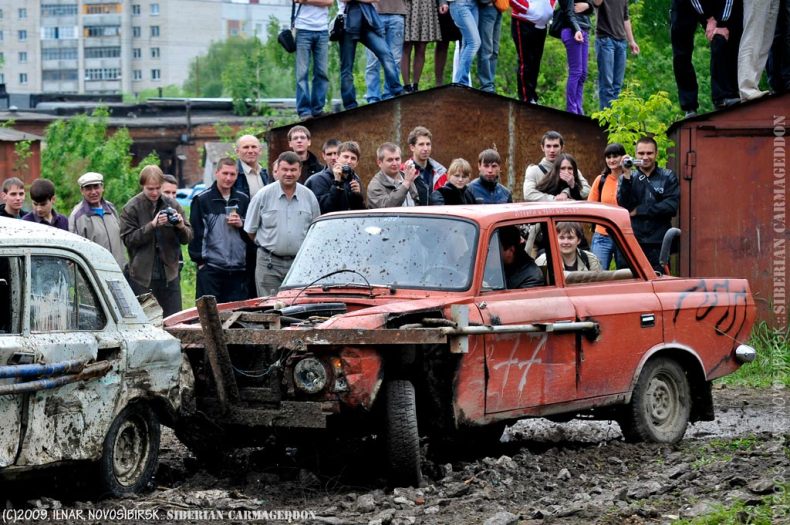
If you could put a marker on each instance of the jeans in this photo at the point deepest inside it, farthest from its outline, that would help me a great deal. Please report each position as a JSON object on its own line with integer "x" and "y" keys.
{"x": 603, "y": 248}
{"x": 489, "y": 26}
{"x": 377, "y": 44}
{"x": 577, "y": 70}
{"x": 465, "y": 15}
{"x": 610, "y": 54}
{"x": 316, "y": 44}
{"x": 393, "y": 35}
{"x": 529, "y": 42}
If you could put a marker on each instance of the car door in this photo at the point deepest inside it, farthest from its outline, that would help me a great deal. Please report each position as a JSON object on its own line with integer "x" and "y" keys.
{"x": 525, "y": 369}
{"x": 66, "y": 321}
{"x": 628, "y": 313}
{"x": 12, "y": 351}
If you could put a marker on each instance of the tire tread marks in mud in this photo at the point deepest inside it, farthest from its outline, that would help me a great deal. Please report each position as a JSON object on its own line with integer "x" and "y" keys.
{"x": 660, "y": 405}
{"x": 402, "y": 437}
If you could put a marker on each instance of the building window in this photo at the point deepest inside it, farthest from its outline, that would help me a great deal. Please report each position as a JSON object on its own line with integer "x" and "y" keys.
{"x": 137, "y": 52}
{"x": 23, "y": 57}
{"x": 137, "y": 74}
{"x": 154, "y": 9}
{"x": 101, "y": 9}
{"x": 59, "y": 53}
{"x": 154, "y": 52}
{"x": 99, "y": 31}
{"x": 103, "y": 52}
{"x": 23, "y": 78}
{"x": 136, "y": 31}
{"x": 56, "y": 75}
{"x": 135, "y": 9}
{"x": 156, "y": 74}
{"x": 59, "y": 33}
{"x": 103, "y": 73}
{"x": 22, "y": 12}
{"x": 58, "y": 10}
{"x": 22, "y": 35}
{"x": 154, "y": 30}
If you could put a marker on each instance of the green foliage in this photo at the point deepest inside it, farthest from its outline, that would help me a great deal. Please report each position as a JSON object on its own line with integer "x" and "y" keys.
{"x": 167, "y": 91}
{"x": 772, "y": 365}
{"x": 631, "y": 117}
{"x": 774, "y": 508}
{"x": 22, "y": 153}
{"x": 80, "y": 144}
{"x": 188, "y": 276}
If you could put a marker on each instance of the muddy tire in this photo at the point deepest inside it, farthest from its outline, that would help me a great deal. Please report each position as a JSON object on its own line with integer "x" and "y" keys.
{"x": 130, "y": 453}
{"x": 660, "y": 405}
{"x": 402, "y": 437}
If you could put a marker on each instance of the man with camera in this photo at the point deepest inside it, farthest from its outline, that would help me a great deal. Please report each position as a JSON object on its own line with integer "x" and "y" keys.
{"x": 153, "y": 228}
{"x": 390, "y": 187}
{"x": 338, "y": 187}
{"x": 652, "y": 195}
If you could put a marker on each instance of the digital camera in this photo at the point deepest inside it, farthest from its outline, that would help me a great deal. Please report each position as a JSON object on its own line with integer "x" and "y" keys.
{"x": 172, "y": 215}
{"x": 629, "y": 163}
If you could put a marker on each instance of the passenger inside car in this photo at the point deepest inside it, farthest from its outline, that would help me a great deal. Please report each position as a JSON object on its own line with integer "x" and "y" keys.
{"x": 569, "y": 238}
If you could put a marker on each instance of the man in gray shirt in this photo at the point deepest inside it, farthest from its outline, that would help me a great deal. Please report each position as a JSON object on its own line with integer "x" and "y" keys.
{"x": 277, "y": 221}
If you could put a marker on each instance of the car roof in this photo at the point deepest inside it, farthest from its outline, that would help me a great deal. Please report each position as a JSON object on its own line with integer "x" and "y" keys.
{"x": 18, "y": 233}
{"x": 488, "y": 214}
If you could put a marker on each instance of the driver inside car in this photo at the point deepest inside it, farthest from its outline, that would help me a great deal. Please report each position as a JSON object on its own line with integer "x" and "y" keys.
{"x": 520, "y": 269}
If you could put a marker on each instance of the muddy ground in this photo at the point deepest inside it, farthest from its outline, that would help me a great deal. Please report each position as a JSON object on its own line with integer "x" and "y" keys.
{"x": 541, "y": 472}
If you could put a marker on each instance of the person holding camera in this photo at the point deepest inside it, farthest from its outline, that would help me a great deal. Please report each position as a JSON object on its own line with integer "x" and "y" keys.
{"x": 390, "y": 187}
{"x": 652, "y": 195}
{"x": 153, "y": 228}
{"x": 338, "y": 188}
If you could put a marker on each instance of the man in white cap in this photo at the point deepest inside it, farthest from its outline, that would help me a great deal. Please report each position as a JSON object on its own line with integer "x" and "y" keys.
{"x": 96, "y": 219}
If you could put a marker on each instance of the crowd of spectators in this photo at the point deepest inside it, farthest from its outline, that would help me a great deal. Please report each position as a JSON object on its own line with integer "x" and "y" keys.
{"x": 744, "y": 37}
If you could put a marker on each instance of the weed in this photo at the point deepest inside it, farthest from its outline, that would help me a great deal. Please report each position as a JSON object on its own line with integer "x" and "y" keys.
{"x": 773, "y": 509}
{"x": 772, "y": 365}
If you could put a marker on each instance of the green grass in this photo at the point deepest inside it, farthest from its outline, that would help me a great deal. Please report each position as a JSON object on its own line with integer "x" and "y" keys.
{"x": 773, "y": 509}
{"x": 772, "y": 366}
{"x": 721, "y": 450}
{"x": 188, "y": 276}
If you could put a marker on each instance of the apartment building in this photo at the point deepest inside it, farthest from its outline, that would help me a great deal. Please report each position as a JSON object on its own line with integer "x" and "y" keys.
{"x": 126, "y": 46}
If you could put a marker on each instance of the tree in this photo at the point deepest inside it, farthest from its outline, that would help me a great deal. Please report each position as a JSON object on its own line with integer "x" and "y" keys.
{"x": 80, "y": 144}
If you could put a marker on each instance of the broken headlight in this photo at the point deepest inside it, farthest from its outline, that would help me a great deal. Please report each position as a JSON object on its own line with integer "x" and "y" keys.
{"x": 310, "y": 375}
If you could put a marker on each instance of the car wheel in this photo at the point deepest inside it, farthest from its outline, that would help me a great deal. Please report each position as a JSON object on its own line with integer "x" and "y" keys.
{"x": 402, "y": 437}
{"x": 130, "y": 452}
{"x": 660, "y": 405}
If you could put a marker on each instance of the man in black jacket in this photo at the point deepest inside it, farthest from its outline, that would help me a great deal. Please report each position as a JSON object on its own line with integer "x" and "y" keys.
{"x": 520, "y": 269}
{"x": 219, "y": 246}
{"x": 652, "y": 195}
{"x": 252, "y": 176}
{"x": 299, "y": 140}
{"x": 338, "y": 187}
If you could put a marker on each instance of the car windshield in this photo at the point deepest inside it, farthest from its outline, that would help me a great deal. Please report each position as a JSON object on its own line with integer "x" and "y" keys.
{"x": 398, "y": 251}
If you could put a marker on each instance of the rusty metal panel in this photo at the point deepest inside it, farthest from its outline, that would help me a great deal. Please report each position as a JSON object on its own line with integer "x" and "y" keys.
{"x": 732, "y": 167}
{"x": 464, "y": 121}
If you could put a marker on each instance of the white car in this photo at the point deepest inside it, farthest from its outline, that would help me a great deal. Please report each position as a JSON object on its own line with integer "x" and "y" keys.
{"x": 84, "y": 375}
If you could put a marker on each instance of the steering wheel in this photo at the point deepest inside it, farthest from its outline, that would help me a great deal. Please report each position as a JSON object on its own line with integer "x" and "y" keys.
{"x": 444, "y": 275}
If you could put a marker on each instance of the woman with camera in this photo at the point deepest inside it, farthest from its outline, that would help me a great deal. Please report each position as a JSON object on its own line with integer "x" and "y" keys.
{"x": 153, "y": 228}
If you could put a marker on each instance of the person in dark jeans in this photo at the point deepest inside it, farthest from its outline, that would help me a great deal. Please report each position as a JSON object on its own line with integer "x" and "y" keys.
{"x": 722, "y": 21}
{"x": 528, "y": 26}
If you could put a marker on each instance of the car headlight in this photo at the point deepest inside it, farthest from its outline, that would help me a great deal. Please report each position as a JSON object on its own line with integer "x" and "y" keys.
{"x": 310, "y": 375}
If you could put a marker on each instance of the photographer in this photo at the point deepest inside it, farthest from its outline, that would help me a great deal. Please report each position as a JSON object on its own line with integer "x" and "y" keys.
{"x": 152, "y": 228}
{"x": 338, "y": 187}
{"x": 652, "y": 195}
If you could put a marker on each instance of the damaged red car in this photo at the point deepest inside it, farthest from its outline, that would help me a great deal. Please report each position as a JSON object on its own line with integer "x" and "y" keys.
{"x": 401, "y": 323}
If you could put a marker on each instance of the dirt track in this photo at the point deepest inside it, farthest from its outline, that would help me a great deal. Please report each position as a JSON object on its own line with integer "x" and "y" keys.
{"x": 541, "y": 472}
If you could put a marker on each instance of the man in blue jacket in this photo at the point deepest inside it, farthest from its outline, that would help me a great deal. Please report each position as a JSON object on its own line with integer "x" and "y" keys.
{"x": 219, "y": 246}
{"x": 486, "y": 188}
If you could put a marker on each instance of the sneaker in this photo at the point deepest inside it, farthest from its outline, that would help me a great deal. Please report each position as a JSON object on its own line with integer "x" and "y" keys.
{"x": 690, "y": 114}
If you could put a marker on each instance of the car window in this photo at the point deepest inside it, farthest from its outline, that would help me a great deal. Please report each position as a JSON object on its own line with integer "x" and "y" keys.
{"x": 61, "y": 297}
{"x": 11, "y": 286}
{"x": 510, "y": 263}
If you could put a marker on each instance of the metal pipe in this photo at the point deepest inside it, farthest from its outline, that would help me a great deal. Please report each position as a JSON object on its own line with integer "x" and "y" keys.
{"x": 575, "y": 326}
{"x": 48, "y": 369}
{"x": 89, "y": 372}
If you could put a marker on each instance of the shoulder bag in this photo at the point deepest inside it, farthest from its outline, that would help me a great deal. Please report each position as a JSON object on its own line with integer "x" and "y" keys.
{"x": 286, "y": 36}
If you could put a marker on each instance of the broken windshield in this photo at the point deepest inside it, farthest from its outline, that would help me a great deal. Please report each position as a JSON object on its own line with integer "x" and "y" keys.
{"x": 388, "y": 250}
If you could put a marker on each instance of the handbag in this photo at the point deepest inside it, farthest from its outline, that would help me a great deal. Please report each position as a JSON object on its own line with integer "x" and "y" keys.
{"x": 286, "y": 36}
{"x": 337, "y": 28}
{"x": 555, "y": 29}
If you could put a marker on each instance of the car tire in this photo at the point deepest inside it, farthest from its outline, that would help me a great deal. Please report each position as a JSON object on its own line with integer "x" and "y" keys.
{"x": 402, "y": 436}
{"x": 660, "y": 404}
{"x": 130, "y": 453}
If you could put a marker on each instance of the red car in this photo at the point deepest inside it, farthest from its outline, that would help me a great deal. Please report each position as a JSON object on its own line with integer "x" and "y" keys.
{"x": 435, "y": 321}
